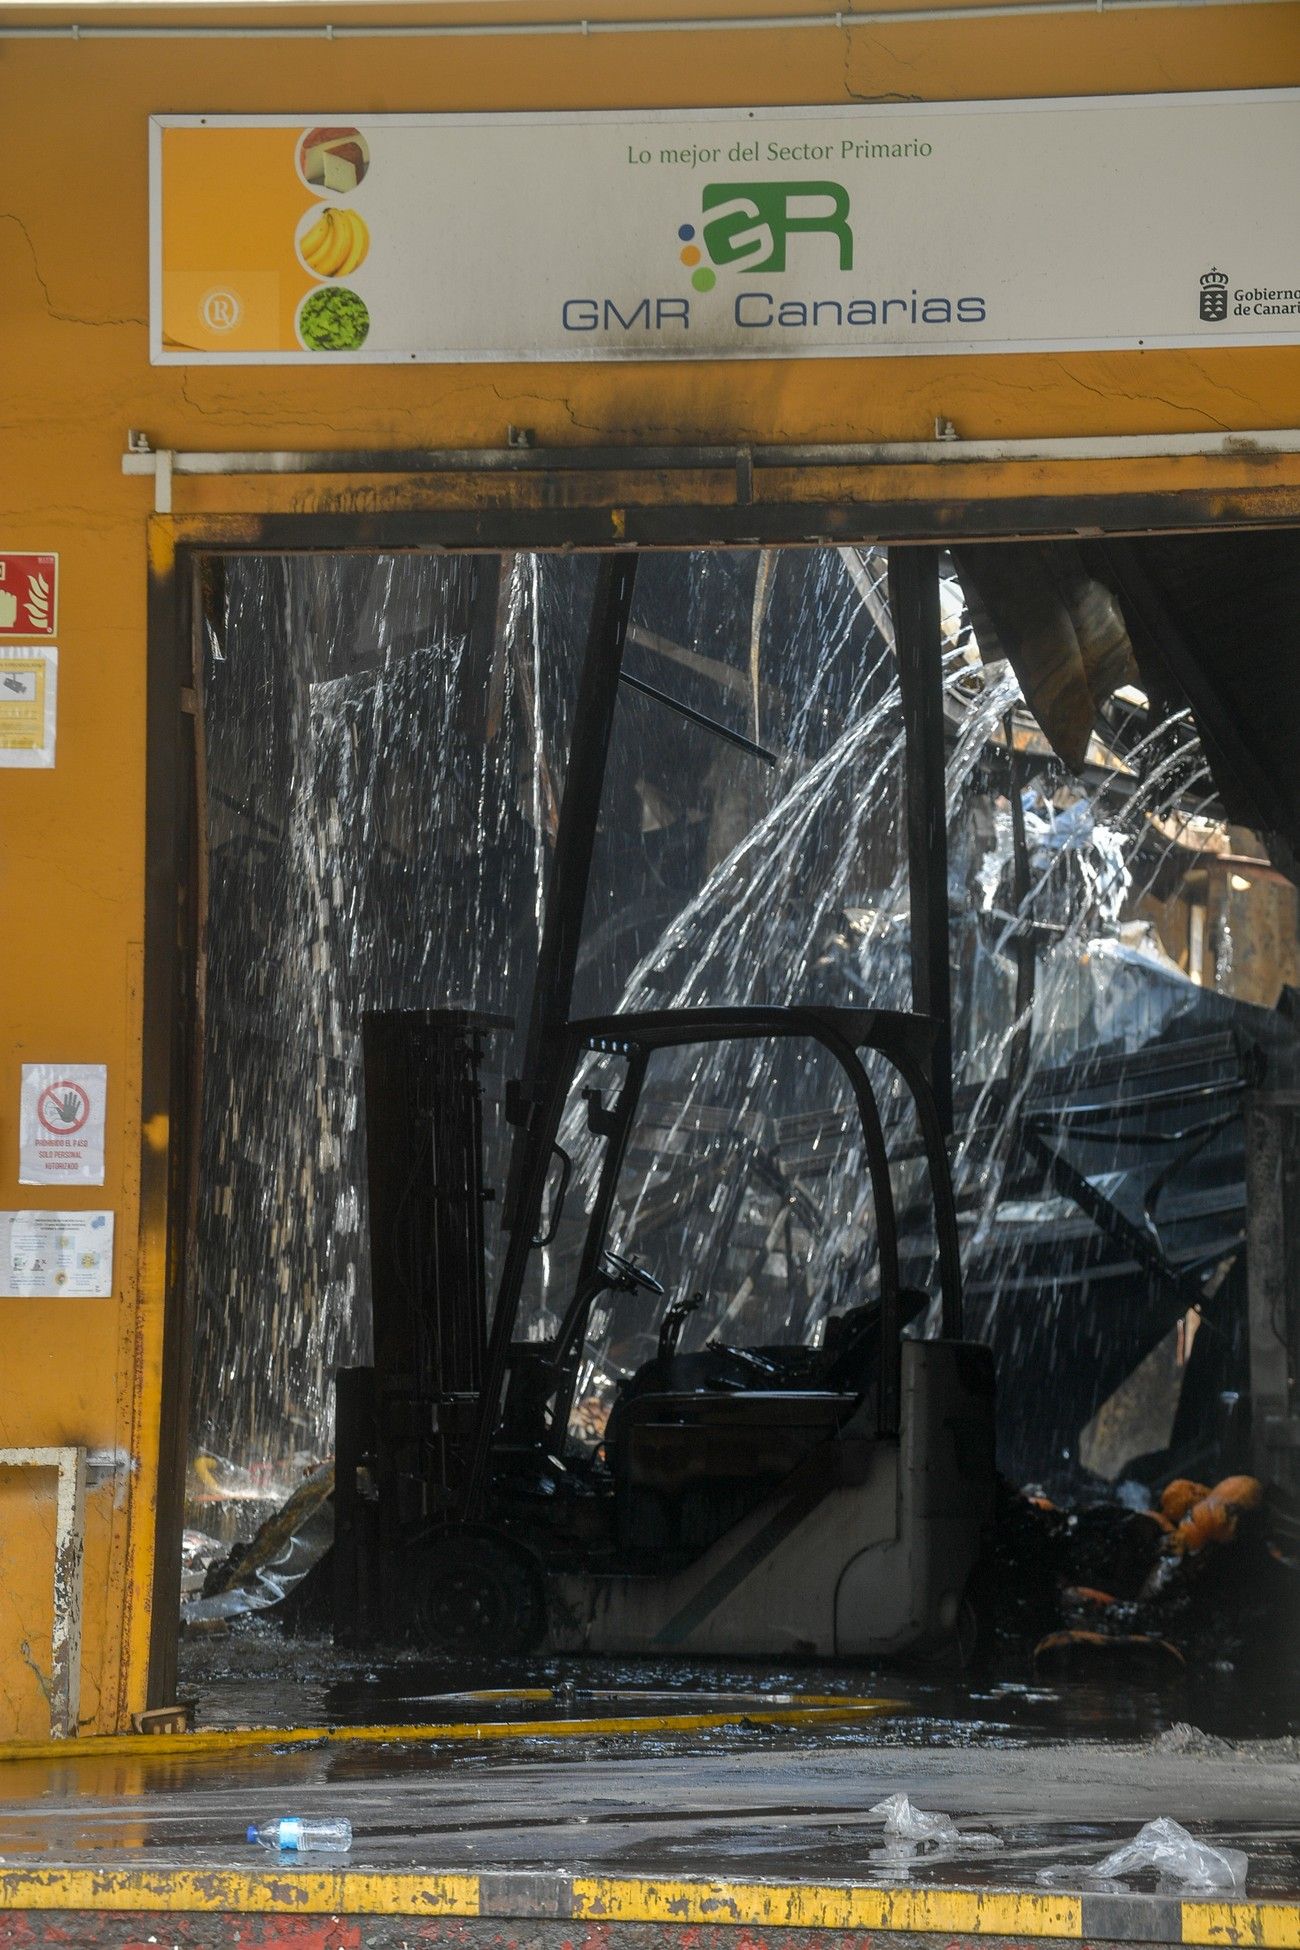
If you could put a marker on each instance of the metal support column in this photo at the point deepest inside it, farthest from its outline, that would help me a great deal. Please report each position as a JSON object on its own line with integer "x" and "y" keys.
{"x": 914, "y": 603}
{"x": 1023, "y": 941}
{"x": 1273, "y": 1272}
{"x": 575, "y": 841}
{"x": 528, "y": 1101}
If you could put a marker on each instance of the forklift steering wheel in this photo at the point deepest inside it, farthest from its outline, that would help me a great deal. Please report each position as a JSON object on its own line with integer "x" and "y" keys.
{"x": 635, "y": 1278}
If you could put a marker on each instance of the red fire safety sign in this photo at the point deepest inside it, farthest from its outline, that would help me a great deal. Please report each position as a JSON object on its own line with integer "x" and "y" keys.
{"x": 29, "y": 597}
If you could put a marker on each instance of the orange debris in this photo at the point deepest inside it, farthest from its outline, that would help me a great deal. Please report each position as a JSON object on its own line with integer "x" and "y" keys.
{"x": 1213, "y": 1520}
{"x": 1177, "y": 1498}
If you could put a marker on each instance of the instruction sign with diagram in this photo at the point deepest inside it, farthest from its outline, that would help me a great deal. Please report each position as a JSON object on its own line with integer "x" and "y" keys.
{"x": 56, "y": 1255}
{"x": 28, "y": 701}
{"x": 61, "y": 1124}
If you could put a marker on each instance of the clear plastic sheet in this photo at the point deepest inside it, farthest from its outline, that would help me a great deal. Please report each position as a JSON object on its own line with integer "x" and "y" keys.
{"x": 904, "y": 1823}
{"x": 909, "y": 1830}
{"x": 1177, "y": 1858}
{"x": 1166, "y": 1846}
{"x": 386, "y": 739}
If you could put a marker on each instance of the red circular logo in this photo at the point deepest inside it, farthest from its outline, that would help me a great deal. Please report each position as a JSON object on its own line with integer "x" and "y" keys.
{"x": 63, "y": 1108}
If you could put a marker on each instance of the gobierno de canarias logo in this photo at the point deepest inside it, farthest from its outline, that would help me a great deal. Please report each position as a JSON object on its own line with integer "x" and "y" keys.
{"x": 749, "y": 225}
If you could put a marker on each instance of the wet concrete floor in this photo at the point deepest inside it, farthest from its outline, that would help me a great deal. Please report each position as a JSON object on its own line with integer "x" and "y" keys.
{"x": 745, "y": 1807}
{"x": 1056, "y": 1774}
{"x": 251, "y": 1675}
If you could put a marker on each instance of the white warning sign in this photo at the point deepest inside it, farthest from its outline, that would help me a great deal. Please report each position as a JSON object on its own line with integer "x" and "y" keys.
{"x": 56, "y": 1255}
{"x": 61, "y": 1124}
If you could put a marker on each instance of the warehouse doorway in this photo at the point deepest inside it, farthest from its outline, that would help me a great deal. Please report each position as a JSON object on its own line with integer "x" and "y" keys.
{"x": 435, "y": 696}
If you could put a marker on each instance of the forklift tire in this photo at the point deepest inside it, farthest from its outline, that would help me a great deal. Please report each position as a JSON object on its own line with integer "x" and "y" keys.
{"x": 475, "y": 1591}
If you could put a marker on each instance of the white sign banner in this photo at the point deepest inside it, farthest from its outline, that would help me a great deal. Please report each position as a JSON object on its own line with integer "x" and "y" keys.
{"x": 1100, "y": 222}
{"x": 61, "y": 1124}
{"x": 56, "y": 1255}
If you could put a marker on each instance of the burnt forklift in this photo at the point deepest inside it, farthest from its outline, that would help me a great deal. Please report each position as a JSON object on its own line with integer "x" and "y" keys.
{"x": 589, "y": 1483}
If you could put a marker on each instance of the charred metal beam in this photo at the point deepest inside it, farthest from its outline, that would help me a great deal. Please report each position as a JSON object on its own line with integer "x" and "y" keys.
{"x": 1183, "y": 1289}
{"x": 175, "y": 900}
{"x": 736, "y": 738}
{"x": 914, "y": 604}
{"x": 529, "y": 1101}
{"x": 1273, "y": 1277}
{"x": 537, "y": 512}
{"x": 575, "y": 840}
{"x": 1023, "y": 941}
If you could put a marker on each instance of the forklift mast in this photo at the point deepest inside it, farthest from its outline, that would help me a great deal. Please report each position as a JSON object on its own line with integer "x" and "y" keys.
{"x": 411, "y": 1416}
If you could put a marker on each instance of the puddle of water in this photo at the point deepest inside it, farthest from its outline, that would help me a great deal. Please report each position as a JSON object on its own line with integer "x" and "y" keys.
{"x": 256, "y": 1677}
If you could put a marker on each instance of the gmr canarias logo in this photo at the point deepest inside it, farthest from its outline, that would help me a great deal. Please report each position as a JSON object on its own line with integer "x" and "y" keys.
{"x": 755, "y": 229}
{"x": 749, "y": 224}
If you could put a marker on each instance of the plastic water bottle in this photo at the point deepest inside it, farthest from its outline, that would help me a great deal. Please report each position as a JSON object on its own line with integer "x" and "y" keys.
{"x": 295, "y": 1835}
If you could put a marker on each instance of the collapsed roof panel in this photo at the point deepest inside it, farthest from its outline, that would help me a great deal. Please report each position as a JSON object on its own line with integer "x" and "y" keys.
{"x": 1214, "y": 628}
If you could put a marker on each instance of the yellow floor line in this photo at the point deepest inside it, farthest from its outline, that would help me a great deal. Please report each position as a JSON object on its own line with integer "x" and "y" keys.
{"x": 815, "y": 1906}
{"x": 1263, "y": 1926}
{"x": 357, "y": 1892}
{"x": 146, "y": 1746}
{"x": 613, "y": 1899}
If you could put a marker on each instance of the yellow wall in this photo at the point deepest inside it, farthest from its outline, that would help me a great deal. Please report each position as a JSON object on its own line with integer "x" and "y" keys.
{"x": 75, "y": 375}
